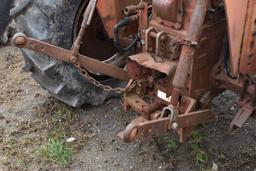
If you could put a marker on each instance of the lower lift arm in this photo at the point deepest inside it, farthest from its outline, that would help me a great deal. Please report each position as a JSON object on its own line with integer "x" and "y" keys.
{"x": 20, "y": 40}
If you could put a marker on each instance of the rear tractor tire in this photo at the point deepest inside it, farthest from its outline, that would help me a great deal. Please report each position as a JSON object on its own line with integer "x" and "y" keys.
{"x": 56, "y": 22}
{"x": 4, "y": 18}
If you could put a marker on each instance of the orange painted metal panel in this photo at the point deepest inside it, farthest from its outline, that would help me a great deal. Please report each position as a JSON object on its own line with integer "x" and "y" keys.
{"x": 248, "y": 57}
{"x": 111, "y": 12}
{"x": 236, "y": 16}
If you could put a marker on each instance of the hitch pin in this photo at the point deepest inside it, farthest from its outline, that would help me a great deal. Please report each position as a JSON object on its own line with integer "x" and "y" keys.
{"x": 172, "y": 113}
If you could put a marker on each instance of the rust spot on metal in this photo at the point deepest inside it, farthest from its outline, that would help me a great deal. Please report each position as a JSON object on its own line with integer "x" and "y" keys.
{"x": 20, "y": 41}
{"x": 179, "y": 64}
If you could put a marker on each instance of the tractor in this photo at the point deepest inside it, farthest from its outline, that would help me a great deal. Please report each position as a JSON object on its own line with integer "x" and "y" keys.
{"x": 168, "y": 58}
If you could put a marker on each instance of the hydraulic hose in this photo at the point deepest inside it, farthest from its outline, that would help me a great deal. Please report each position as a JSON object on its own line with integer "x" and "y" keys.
{"x": 126, "y": 21}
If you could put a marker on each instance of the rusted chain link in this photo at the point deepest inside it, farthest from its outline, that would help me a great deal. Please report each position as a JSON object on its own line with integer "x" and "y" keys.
{"x": 86, "y": 22}
{"x": 131, "y": 84}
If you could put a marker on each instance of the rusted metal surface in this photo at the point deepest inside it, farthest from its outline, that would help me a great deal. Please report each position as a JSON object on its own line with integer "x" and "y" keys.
{"x": 111, "y": 12}
{"x": 169, "y": 11}
{"x": 187, "y": 53}
{"x": 176, "y": 94}
{"x": 144, "y": 129}
{"x": 87, "y": 18}
{"x": 140, "y": 106}
{"x": 247, "y": 108}
{"x": 178, "y": 65}
{"x": 64, "y": 55}
{"x": 241, "y": 117}
{"x": 198, "y": 80}
{"x": 244, "y": 87}
{"x": 248, "y": 50}
{"x": 236, "y": 23}
{"x": 137, "y": 72}
{"x": 95, "y": 40}
{"x": 132, "y": 9}
{"x": 194, "y": 118}
{"x": 166, "y": 9}
{"x": 147, "y": 60}
{"x": 152, "y": 59}
{"x": 247, "y": 105}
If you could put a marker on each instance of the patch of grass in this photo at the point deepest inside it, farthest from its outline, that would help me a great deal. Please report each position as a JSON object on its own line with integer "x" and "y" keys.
{"x": 55, "y": 123}
{"x": 196, "y": 140}
{"x": 201, "y": 157}
{"x": 222, "y": 157}
{"x": 167, "y": 141}
{"x": 16, "y": 157}
{"x": 61, "y": 119}
{"x": 64, "y": 114}
{"x": 56, "y": 152}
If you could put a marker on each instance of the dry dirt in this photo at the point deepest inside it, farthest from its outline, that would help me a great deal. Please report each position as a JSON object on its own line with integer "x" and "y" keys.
{"x": 28, "y": 116}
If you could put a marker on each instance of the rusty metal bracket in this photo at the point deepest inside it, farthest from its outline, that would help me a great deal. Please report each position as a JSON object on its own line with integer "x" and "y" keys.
{"x": 147, "y": 37}
{"x": 143, "y": 128}
{"x": 241, "y": 117}
{"x": 20, "y": 40}
{"x": 160, "y": 36}
{"x": 247, "y": 104}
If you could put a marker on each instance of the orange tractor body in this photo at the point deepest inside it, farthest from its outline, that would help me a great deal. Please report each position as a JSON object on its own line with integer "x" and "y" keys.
{"x": 180, "y": 54}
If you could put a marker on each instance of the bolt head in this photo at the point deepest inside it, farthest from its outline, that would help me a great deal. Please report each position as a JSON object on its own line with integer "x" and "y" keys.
{"x": 19, "y": 41}
{"x": 175, "y": 126}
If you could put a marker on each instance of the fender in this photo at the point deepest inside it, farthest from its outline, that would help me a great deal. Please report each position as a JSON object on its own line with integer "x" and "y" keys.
{"x": 236, "y": 13}
{"x": 111, "y": 13}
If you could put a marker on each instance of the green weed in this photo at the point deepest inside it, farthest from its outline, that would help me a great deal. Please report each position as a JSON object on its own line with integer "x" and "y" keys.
{"x": 196, "y": 140}
{"x": 201, "y": 157}
{"x": 55, "y": 151}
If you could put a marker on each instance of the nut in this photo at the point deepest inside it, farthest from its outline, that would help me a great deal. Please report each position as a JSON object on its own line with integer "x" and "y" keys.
{"x": 175, "y": 126}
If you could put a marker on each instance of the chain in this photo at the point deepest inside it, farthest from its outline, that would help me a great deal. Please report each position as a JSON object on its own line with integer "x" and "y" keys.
{"x": 131, "y": 84}
{"x": 86, "y": 22}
